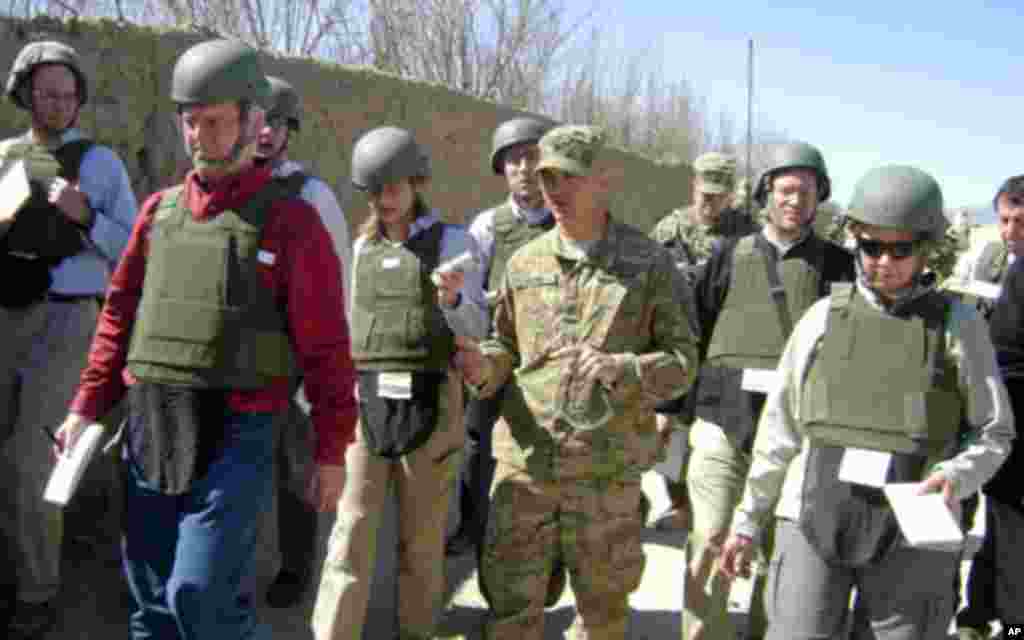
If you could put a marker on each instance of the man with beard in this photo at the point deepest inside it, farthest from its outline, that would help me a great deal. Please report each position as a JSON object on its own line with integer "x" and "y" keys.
{"x": 226, "y": 289}
{"x": 296, "y": 520}
{"x": 56, "y": 255}
{"x": 690, "y": 234}
{"x": 748, "y": 297}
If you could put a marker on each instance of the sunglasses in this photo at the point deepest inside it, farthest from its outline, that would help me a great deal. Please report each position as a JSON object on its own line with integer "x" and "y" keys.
{"x": 899, "y": 250}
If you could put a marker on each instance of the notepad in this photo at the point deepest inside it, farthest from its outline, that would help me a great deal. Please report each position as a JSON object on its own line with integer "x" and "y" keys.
{"x": 71, "y": 465}
{"x": 925, "y": 520}
{"x": 15, "y": 190}
{"x": 671, "y": 467}
{"x": 760, "y": 380}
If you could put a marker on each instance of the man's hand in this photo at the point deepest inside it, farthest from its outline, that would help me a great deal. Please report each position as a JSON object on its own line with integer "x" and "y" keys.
{"x": 606, "y": 368}
{"x": 737, "y": 554}
{"x": 449, "y": 284}
{"x": 68, "y": 433}
{"x": 936, "y": 482}
{"x": 325, "y": 487}
{"x": 664, "y": 428}
{"x": 65, "y": 196}
{"x": 472, "y": 363}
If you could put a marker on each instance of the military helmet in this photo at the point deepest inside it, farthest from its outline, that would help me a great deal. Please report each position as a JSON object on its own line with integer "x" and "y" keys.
{"x": 39, "y": 53}
{"x": 515, "y": 131}
{"x": 794, "y": 155}
{"x": 899, "y": 197}
{"x": 385, "y": 155}
{"x": 219, "y": 71}
{"x": 284, "y": 102}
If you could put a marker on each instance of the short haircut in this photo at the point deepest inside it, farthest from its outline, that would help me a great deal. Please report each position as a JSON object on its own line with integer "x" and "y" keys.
{"x": 1013, "y": 186}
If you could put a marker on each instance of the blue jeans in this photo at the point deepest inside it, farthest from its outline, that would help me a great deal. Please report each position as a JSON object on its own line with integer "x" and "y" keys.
{"x": 185, "y": 555}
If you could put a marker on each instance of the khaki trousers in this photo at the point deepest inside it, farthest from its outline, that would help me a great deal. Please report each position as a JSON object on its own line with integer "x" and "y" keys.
{"x": 46, "y": 346}
{"x": 715, "y": 478}
{"x": 423, "y": 482}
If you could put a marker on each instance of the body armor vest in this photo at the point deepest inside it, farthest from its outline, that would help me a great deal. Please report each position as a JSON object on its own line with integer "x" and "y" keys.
{"x": 216, "y": 324}
{"x": 510, "y": 233}
{"x": 41, "y": 236}
{"x": 397, "y": 324}
{"x": 749, "y": 332}
{"x": 992, "y": 263}
{"x": 881, "y": 381}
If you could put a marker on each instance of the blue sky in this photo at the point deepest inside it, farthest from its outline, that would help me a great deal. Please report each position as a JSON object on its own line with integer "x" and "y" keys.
{"x": 932, "y": 84}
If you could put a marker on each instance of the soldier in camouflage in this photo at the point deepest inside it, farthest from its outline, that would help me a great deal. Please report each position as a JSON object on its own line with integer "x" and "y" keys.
{"x": 690, "y": 234}
{"x": 589, "y": 336}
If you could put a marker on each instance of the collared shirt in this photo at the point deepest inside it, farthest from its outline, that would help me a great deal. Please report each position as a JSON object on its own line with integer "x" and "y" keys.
{"x": 482, "y": 228}
{"x": 103, "y": 180}
{"x": 316, "y": 192}
{"x": 776, "y": 477}
{"x": 469, "y": 316}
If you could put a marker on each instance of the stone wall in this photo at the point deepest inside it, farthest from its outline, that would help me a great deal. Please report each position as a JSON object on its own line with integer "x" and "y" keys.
{"x": 129, "y": 69}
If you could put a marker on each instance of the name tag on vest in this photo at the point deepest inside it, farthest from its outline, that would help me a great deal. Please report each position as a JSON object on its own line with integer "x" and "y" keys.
{"x": 395, "y": 385}
{"x": 865, "y": 466}
{"x": 265, "y": 257}
{"x": 390, "y": 263}
{"x": 760, "y": 380}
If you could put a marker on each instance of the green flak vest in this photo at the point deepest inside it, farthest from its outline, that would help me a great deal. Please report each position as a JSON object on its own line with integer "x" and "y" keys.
{"x": 41, "y": 231}
{"x": 510, "y": 233}
{"x": 881, "y": 381}
{"x": 749, "y": 332}
{"x": 397, "y": 324}
{"x": 207, "y": 319}
{"x": 993, "y": 263}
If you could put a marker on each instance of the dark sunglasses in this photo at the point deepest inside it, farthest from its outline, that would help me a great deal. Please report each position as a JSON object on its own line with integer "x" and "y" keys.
{"x": 898, "y": 250}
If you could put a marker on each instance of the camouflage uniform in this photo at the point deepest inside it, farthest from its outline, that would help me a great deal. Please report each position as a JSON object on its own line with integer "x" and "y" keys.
{"x": 571, "y": 450}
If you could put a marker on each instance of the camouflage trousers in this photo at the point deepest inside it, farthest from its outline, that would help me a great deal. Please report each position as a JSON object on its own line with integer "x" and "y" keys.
{"x": 591, "y": 525}
{"x": 423, "y": 481}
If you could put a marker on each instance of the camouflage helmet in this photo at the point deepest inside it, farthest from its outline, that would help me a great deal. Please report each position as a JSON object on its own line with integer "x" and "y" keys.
{"x": 515, "y": 131}
{"x": 284, "y": 102}
{"x": 40, "y": 53}
{"x": 385, "y": 155}
{"x": 794, "y": 155}
{"x": 219, "y": 71}
{"x": 899, "y": 197}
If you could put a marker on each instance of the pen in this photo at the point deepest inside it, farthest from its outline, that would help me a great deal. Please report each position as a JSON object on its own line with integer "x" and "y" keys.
{"x": 52, "y": 437}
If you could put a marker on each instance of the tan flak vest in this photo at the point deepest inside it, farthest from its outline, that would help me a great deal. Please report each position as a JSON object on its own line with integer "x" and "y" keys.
{"x": 883, "y": 382}
{"x": 749, "y": 332}
{"x": 207, "y": 318}
{"x": 397, "y": 324}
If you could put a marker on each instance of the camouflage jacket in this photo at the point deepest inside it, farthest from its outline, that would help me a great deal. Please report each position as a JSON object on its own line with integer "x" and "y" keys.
{"x": 621, "y": 298}
{"x": 691, "y": 242}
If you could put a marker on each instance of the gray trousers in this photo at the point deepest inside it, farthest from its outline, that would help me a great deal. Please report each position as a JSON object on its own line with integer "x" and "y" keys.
{"x": 907, "y": 596}
{"x": 45, "y": 349}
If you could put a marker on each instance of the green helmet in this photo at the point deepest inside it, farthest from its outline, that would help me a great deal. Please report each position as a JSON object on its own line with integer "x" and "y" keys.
{"x": 899, "y": 197}
{"x": 385, "y": 155}
{"x": 794, "y": 155}
{"x": 219, "y": 71}
{"x": 515, "y": 131}
{"x": 284, "y": 102}
{"x": 39, "y": 53}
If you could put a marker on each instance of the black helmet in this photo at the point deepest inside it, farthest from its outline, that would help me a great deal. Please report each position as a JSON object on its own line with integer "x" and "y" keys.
{"x": 515, "y": 131}
{"x": 39, "y": 53}
{"x": 219, "y": 71}
{"x": 794, "y": 155}
{"x": 284, "y": 102}
{"x": 385, "y": 155}
{"x": 900, "y": 197}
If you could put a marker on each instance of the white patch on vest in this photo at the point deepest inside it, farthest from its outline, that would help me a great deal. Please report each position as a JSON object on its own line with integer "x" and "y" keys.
{"x": 397, "y": 385}
{"x": 266, "y": 257}
{"x": 864, "y": 466}
{"x": 760, "y": 380}
{"x": 390, "y": 263}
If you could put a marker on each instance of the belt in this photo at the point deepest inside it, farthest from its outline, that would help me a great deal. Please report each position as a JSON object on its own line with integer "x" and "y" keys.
{"x": 53, "y": 296}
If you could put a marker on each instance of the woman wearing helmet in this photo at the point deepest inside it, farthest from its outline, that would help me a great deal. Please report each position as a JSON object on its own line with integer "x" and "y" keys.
{"x": 886, "y": 369}
{"x": 407, "y": 306}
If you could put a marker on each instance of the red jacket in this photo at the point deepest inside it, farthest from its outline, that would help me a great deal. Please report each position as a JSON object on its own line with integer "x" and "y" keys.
{"x": 306, "y": 280}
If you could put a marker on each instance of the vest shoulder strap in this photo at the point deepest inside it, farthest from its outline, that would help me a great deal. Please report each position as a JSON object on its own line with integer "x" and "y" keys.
{"x": 427, "y": 245}
{"x": 168, "y": 208}
{"x": 504, "y": 219}
{"x": 842, "y": 293}
{"x": 292, "y": 184}
{"x": 70, "y": 157}
{"x": 746, "y": 245}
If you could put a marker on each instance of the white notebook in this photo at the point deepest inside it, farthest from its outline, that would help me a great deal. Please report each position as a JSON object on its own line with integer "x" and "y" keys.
{"x": 71, "y": 465}
{"x": 925, "y": 520}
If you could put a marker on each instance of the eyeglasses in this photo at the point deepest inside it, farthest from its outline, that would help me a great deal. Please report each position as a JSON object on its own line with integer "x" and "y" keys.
{"x": 898, "y": 250}
{"x": 54, "y": 97}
